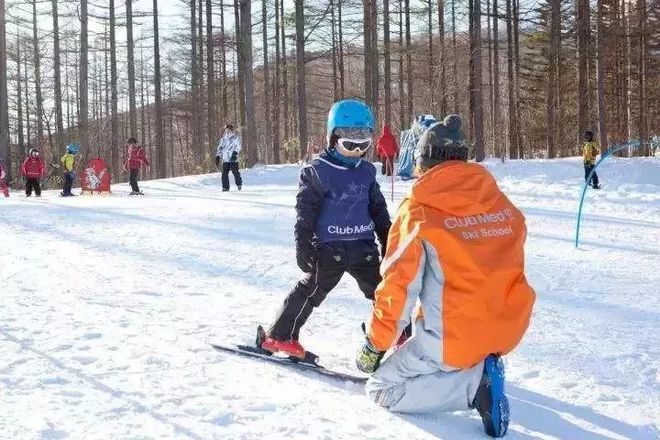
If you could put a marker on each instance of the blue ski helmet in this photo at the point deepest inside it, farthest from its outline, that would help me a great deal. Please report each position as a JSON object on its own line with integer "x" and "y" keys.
{"x": 350, "y": 113}
{"x": 73, "y": 148}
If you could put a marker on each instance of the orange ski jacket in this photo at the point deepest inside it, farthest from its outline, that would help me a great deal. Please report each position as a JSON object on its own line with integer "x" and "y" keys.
{"x": 457, "y": 247}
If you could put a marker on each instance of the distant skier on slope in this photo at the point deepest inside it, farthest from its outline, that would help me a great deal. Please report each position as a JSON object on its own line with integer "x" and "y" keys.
{"x": 33, "y": 169}
{"x": 457, "y": 247}
{"x": 339, "y": 209}
{"x": 135, "y": 159}
{"x": 387, "y": 150}
{"x": 589, "y": 153}
{"x": 227, "y": 155}
{"x": 69, "y": 162}
{"x": 3, "y": 174}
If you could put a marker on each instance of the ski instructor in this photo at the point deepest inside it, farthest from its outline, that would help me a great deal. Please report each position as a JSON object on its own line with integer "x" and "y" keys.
{"x": 456, "y": 246}
{"x": 340, "y": 211}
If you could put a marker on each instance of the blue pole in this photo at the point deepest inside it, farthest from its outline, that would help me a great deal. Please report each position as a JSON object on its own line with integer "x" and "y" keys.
{"x": 610, "y": 152}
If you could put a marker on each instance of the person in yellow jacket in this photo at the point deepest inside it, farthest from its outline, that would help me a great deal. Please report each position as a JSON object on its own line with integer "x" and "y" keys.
{"x": 456, "y": 247}
{"x": 69, "y": 163}
{"x": 590, "y": 150}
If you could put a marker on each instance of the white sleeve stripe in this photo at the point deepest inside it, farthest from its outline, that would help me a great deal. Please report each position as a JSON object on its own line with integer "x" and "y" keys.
{"x": 389, "y": 261}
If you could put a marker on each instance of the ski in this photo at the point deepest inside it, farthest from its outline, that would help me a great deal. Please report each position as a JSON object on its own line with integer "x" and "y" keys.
{"x": 307, "y": 364}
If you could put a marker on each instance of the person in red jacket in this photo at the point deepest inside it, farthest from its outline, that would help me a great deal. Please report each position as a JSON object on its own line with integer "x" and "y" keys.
{"x": 33, "y": 169}
{"x": 135, "y": 159}
{"x": 3, "y": 174}
{"x": 387, "y": 150}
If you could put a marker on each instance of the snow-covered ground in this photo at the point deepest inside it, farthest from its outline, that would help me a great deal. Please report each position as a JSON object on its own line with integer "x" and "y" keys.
{"x": 108, "y": 304}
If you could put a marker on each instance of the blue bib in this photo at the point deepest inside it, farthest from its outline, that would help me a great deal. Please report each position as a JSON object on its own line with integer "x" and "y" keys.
{"x": 345, "y": 211}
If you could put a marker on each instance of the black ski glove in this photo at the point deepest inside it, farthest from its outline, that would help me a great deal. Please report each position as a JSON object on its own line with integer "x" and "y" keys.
{"x": 368, "y": 358}
{"x": 234, "y": 157}
{"x": 382, "y": 238}
{"x": 306, "y": 255}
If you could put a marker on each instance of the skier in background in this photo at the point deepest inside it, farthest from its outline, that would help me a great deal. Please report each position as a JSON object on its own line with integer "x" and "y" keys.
{"x": 590, "y": 150}
{"x": 3, "y": 174}
{"x": 387, "y": 150}
{"x": 135, "y": 159}
{"x": 69, "y": 162}
{"x": 227, "y": 154}
{"x": 33, "y": 169}
{"x": 456, "y": 246}
{"x": 340, "y": 210}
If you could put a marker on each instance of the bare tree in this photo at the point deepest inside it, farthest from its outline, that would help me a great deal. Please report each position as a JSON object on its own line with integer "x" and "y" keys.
{"x": 409, "y": 67}
{"x": 59, "y": 120}
{"x": 130, "y": 61}
{"x": 160, "y": 147}
{"x": 642, "y": 125}
{"x": 83, "y": 123}
{"x": 37, "y": 75}
{"x": 600, "y": 77}
{"x": 300, "y": 69}
{"x": 250, "y": 134}
{"x": 476, "y": 90}
{"x": 210, "y": 81}
{"x": 583, "y": 36}
{"x": 19, "y": 96}
{"x": 114, "y": 153}
{"x": 387, "y": 61}
{"x": 264, "y": 23}
{"x": 5, "y": 152}
{"x": 553, "y": 71}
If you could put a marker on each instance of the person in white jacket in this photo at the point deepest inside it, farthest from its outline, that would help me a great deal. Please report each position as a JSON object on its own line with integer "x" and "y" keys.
{"x": 227, "y": 153}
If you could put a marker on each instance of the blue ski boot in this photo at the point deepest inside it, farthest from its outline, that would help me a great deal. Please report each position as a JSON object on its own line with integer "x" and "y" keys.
{"x": 490, "y": 400}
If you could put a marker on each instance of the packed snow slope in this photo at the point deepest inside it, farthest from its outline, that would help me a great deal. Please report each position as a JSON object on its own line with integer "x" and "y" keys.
{"x": 108, "y": 306}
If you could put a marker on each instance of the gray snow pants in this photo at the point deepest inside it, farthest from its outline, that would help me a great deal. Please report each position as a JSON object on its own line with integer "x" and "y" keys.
{"x": 411, "y": 382}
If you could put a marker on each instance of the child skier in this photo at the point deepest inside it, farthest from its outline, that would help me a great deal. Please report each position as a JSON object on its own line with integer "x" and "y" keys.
{"x": 457, "y": 247}
{"x": 589, "y": 152}
{"x": 387, "y": 150}
{"x": 3, "y": 186}
{"x": 135, "y": 159}
{"x": 227, "y": 153}
{"x": 33, "y": 169}
{"x": 69, "y": 162}
{"x": 339, "y": 208}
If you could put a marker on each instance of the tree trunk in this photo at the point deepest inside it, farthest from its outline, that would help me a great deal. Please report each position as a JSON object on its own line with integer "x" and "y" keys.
{"x": 5, "y": 153}
{"x": 83, "y": 86}
{"x": 300, "y": 70}
{"x": 431, "y": 60}
{"x": 285, "y": 76}
{"x": 402, "y": 101}
{"x": 582, "y": 24}
{"x": 267, "y": 110}
{"x": 600, "y": 75}
{"x": 223, "y": 65}
{"x": 240, "y": 62}
{"x": 454, "y": 57}
{"x": 553, "y": 69}
{"x": 443, "y": 58}
{"x": 37, "y": 75}
{"x": 212, "y": 122}
{"x": 477, "y": 93}
{"x": 160, "y": 147}
{"x": 342, "y": 77}
{"x": 19, "y": 95}
{"x": 130, "y": 61}
{"x": 195, "y": 78}
{"x": 59, "y": 120}
{"x": 409, "y": 67}
{"x": 250, "y": 134}
{"x": 368, "y": 66}
{"x": 512, "y": 125}
{"x": 276, "y": 89}
{"x": 388, "y": 68}
{"x": 497, "y": 140}
{"x": 114, "y": 150}
{"x": 642, "y": 126}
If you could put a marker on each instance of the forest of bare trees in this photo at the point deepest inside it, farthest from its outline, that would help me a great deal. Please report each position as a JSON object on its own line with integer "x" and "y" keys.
{"x": 528, "y": 77}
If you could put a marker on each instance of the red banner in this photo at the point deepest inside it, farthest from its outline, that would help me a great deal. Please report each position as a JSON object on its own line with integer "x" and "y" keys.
{"x": 96, "y": 176}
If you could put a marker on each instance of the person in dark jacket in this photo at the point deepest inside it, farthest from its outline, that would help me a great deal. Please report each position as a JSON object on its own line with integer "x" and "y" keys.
{"x": 340, "y": 211}
{"x": 135, "y": 159}
{"x": 33, "y": 169}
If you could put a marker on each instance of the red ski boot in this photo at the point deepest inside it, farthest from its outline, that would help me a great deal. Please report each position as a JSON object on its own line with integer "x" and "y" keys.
{"x": 290, "y": 347}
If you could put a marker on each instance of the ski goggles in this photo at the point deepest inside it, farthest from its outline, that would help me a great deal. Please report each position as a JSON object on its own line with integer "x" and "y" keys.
{"x": 353, "y": 142}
